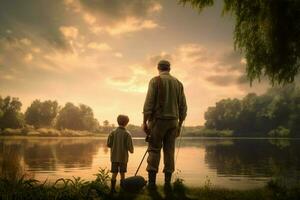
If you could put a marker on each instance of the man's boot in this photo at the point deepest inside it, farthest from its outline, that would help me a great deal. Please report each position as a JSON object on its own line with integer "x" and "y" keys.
{"x": 152, "y": 180}
{"x": 168, "y": 177}
{"x": 113, "y": 186}
{"x": 122, "y": 183}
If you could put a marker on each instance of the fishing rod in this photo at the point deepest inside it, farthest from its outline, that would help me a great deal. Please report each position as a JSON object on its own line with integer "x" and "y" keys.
{"x": 141, "y": 162}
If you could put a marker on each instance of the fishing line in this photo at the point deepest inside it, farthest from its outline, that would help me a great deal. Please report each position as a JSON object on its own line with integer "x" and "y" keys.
{"x": 179, "y": 143}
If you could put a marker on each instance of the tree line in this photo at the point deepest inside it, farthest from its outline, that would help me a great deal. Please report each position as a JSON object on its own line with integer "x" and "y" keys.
{"x": 275, "y": 113}
{"x": 47, "y": 114}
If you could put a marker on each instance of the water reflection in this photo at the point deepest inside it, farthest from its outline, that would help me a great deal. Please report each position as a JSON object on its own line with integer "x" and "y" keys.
{"x": 235, "y": 163}
{"x": 258, "y": 158}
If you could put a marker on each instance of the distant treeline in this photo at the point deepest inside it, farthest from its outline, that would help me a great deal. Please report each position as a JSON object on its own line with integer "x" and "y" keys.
{"x": 273, "y": 114}
{"x": 48, "y": 114}
{"x": 47, "y": 118}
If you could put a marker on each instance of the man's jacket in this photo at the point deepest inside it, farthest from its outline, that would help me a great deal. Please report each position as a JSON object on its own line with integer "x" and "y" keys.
{"x": 165, "y": 98}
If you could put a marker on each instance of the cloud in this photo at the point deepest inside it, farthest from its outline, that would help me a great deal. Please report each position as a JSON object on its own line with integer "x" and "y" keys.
{"x": 7, "y": 77}
{"x": 28, "y": 57}
{"x": 232, "y": 61}
{"x": 131, "y": 25}
{"x": 25, "y": 41}
{"x": 99, "y": 46}
{"x": 223, "y": 80}
{"x": 155, "y": 7}
{"x": 116, "y": 17}
{"x": 121, "y": 79}
{"x": 88, "y": 18}
{"x": 69, "y": 31}
{"x": 193, "y": 53}
{"x": 118, "y": 9}
{"x": 220, "y": 68}
{"x": 118, "y": 55}
{"x": 33, "y": 19}
{"x": 128, "y": 25}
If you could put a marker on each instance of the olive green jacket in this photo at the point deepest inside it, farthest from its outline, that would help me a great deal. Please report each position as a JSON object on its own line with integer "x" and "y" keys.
{"x": 165, "y": 98}
{"x": 120, "y": 142}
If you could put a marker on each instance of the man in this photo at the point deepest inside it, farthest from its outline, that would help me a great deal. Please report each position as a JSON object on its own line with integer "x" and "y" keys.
{"x": 164, "y": 112}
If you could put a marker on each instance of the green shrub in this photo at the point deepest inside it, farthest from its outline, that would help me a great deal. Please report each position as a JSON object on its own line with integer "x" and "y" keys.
{"x": 72, "y": 133}
{"x": 11, "y": 131}
{"x": 209, "y": 133}
{"x": 48, "y": 132}
{"x": 279, "y": 132}
{"x": 33, "y": 133}
{"x": 27, "y": 128}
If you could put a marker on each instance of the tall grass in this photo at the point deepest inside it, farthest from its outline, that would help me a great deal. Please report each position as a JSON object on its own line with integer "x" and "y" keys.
{"x": 77, "y": 188}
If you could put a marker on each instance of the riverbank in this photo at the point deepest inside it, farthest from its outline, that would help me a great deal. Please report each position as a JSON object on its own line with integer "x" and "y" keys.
{"x": 77, "y": 188}
{"x": 48, "y": 132}
{"x": 134, "y": 130}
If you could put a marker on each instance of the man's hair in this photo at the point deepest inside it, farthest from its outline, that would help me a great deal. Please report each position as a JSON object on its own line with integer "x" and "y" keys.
{"x": 164, "y": 65}
{"x": 123, "y": 120}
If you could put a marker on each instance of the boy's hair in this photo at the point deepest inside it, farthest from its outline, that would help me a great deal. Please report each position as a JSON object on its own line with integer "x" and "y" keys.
{"x": 123, "y": 120}
{"x": 164, "y": 65}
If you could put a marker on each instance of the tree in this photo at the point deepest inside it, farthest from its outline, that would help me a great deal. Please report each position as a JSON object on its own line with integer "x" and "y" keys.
{"x": 277, "y": 112}
{"x": 77, "y": 118}
{"x": 267, "y": 33}
{"x": 105, "y": 123}
{"x": 41, "y": 114}
{"x": 10, "y": 113}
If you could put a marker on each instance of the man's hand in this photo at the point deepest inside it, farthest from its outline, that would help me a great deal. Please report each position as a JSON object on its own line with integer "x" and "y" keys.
{"x": 178, "y": 130}
{"x": 145, "y": 128}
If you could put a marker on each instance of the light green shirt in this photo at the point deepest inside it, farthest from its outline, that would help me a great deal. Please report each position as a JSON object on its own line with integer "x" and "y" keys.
{"x": 120, "y": 142}
{"x": 173, "y": 105}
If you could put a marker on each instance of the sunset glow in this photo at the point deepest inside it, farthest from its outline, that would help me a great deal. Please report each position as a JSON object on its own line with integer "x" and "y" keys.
{"x": 103, "y": 55}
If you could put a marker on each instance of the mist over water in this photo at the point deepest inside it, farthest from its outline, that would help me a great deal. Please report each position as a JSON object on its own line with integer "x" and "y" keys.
{"x": 229, "y": 163}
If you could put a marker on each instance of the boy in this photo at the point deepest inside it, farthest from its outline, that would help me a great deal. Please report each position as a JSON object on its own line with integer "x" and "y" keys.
{"x": 120, "y": 142}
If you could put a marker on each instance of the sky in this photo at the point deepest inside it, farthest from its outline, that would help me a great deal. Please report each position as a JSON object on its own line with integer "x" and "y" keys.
{"x": 103, "y": 53}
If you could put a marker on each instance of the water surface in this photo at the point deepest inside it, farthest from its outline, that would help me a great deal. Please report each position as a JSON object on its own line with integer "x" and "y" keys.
{"x": 229, "y": 163}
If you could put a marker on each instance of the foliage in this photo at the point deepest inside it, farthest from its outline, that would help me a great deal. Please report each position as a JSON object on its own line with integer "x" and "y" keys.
{"x": 275, "y": 113}
{"x": 77, "y": 118}
{"x": 10, "y": 113}
{"x": 41, "y": 114}
{"x": 267, "y": 33}
{"x": 279, "y": 132}
{"x": 205, "y": 132}
{"x": 75, "y": 188}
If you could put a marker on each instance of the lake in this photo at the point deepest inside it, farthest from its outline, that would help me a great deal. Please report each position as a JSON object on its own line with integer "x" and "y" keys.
{"x": 230, "y": 163}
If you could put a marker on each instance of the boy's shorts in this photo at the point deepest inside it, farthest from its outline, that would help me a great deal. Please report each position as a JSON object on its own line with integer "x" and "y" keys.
{"x": 118, "y": 167}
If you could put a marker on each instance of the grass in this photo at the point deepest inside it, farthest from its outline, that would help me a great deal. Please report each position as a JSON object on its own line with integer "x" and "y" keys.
{"x": 78, "y": 188}
{"x": 204, "y": 132}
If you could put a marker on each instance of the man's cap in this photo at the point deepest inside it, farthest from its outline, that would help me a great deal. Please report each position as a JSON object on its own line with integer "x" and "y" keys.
{"x": 163, "y": 65}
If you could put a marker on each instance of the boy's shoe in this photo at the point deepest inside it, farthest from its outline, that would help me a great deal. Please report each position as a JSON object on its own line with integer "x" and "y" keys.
{"x": 113, "y": 186}
{"x": 168, "y": 177}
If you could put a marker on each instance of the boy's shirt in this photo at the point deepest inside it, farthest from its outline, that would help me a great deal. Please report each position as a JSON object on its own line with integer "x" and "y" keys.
{"x": 120, "y": 142}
